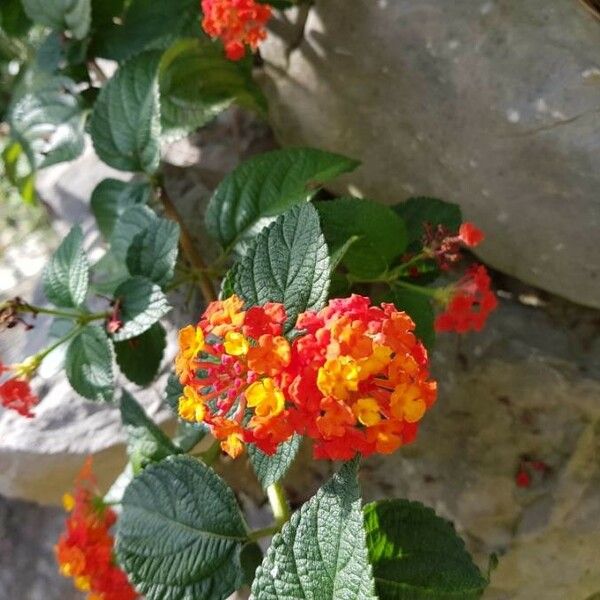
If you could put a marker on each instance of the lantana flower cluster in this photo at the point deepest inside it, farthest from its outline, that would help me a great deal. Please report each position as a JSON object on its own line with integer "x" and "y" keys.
{"x": 15, "y": 390}
{"x": 469, "y": 302}
{"x": 238, "y": 23}
{"x": 355, "y": 379}
{"x": 85, "y": 550}
{"x": 231, "y": 365}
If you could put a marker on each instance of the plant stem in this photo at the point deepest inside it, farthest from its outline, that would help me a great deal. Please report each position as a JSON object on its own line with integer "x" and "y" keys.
{"x": 41, "y": 355}
{"x": 81, "y": 317}
{"x": 279, "y": 504}
{"x": 210, "y": 456}
{"x": 187, "y": 245}
{"x": 418, "y": 289}
{"x": 396, "y": 272}
{"x": 281, "y": 512}
{"x": 264, "y": 532}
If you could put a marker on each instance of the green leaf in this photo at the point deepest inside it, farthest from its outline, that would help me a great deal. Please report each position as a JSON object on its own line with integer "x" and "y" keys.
{"x": 416, "y": 212}
{"x": 50, "y": 53}
{"x": 148, "y": 24}
{"x": 173, "y": 392}
{"x": 338, "y": 252}
{"x": 131, "y": 221}
{"x": 250, "y": 558}
{"x": 66, "y": 277}
{"x": 142, "y": 304}
{"x": 188, "y": 436}
{"x": 266, "y": 186}
{"x": 47, "y": 119}
{"x": 125, "y": 124}
{"x": 108, "y": 274}
{"x": 228, "y": 283}
{"x": 111, "y": 270}
{"x": 112, "y": 198}
{"x": 381, "y": 233}
{"x": 288, "y": 263}
{"x": 197, "y": 82}
{"x": 416, "y": 555}
{"x": 89, "y": 364}
{"x": 11, "y": 156}
{"x": 321, "y": 552}
{"x": 103, "y": 12}
{"x": 420, "y": 309}
{"x": 26, "y": 189}
{"x": 181, "y": 532}
{"x": 13, "y": 19}
{"x": 146, "y": 441}
{"x": 271, "y": 469}
{"x": 17, "y": 170}
{"x": 139, "y": 358}
{"x": 153, "y": 251}
{"x": 74, "y": 15}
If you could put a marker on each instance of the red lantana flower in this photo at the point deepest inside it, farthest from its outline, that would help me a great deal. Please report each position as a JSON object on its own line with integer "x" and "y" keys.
{"x": 445, "y": 247}
{"x": 358, "y": 379}
{"x": 238, "y": 23}
{"x": 470, "y": 235}
{"x": 85, "y": 550}
{"x": 231, "y": 365}
{"x": 470, "y": 304}
{"x": 16, "y": 394}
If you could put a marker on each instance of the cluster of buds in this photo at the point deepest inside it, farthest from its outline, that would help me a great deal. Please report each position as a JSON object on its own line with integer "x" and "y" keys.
{"x": 355, "y": 380}
{"x": 238, "y": 23}
{"x": 15, "y": 391}
{"x": 85, "y": 550}
{"x": 468, "y": 303}
{"x": 441, "y": 245}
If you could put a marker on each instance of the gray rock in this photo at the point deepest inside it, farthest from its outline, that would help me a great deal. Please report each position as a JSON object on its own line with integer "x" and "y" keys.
{"x": 28, "y": 569}
{"x": 491, "y": 104}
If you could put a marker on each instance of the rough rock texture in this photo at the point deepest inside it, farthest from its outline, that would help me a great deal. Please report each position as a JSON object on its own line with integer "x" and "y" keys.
{"x": 28, "y": 571}
{"x": 492, "y": 104}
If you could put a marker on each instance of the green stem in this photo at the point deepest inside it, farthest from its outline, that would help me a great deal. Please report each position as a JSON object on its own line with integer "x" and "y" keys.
{"x": 210, "y": 456}
{"x": 81, "y": 317}
{"x": 41, "y": 355}
{"x": 264, "y": 532}
{"x": 281, "y": 512}
{"x": 279, "y": 504}
{"x": 418, "y": 289}
{"x": 401, "y": 269}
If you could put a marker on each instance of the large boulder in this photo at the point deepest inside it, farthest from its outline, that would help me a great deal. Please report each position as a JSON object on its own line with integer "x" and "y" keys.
{"x": 490, "y": 104}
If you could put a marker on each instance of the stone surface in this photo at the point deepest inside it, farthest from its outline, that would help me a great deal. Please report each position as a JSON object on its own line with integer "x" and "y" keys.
{"x": 28, "y": 569}
{"x": 492, "y": 104}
